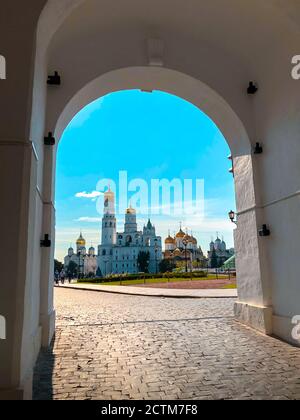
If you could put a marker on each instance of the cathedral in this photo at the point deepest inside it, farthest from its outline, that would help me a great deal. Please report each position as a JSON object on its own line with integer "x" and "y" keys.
{"x": 119, "y": 251}
{"x": 183, "y": 247}
{"x": 85, "y": 261}
{"x": 218, "y": 253}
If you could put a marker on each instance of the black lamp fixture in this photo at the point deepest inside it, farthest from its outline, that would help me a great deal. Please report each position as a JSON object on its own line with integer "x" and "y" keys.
{"x": 264, "y": 231}
{"x": 231, "y": 215}
{"x": 54, "y": 80}
{"x": 231, "y": 170}
{"x": 49, "y": 140}
{"x": 46, "y": 242}
{"x": 258, "y": 149}
{"x": 252, "y": 88}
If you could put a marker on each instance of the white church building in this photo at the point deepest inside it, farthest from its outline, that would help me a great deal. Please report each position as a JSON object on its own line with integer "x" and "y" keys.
{"x": 86, "y": 262}
{"x": 119, "y": 251}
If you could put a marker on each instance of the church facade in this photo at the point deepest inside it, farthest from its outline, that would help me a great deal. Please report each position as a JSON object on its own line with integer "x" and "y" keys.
{"x": 119, "y": 251}
{"x": 86, "y": 262}
{"x": 183, "y": 247}
{"x": 218, "y": 253}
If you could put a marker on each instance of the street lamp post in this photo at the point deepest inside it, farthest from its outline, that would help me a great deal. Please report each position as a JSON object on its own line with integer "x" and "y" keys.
{"x": 105, "y": 268}
{"x": 185, "y": 244}
{"x": 80, "y": 274}
{"x": 156, "y": 251}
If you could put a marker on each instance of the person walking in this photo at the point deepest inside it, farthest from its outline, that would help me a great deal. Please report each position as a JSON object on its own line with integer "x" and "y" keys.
{"x": 56, "y": 277}
{"x": 62, "y": 277}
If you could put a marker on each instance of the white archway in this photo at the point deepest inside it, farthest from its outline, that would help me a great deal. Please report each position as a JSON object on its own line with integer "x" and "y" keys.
{"x": 163, "y": 79}
{"x": 253, "y": 307}
{"x": 222, "y": 44}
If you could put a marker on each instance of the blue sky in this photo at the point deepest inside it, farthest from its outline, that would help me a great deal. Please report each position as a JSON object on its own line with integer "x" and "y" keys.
{"x": 151, "y": 136}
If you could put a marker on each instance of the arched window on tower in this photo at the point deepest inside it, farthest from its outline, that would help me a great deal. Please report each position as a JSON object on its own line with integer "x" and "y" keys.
{"x": 128, "y": 240}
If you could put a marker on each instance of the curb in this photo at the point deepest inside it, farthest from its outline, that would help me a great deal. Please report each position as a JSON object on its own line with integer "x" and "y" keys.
{"x": 160, "y": 295}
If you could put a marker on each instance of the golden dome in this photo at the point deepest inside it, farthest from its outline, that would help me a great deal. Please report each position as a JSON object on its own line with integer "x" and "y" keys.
{"x": 180, "y": 234}
{"x": 80, "y": 241}
{"x": 188, "y": 238}
{"x": 130, "y": 210}
{"x": 170, "y": 240}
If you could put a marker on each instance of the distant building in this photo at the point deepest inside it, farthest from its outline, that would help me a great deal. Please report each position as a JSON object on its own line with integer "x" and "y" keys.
{"x": 218, "y": 253}
{"x": 230, "y": 264}
{"x": 183, "y": 247}
{"x": 86, "y": 261}
{"x": 119, "y": 251}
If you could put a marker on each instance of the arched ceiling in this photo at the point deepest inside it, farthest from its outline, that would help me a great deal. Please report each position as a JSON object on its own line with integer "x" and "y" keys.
{"x": 235, "y": 26}
{"x": 243, "y": 40}
{"x": 224, "y": 44}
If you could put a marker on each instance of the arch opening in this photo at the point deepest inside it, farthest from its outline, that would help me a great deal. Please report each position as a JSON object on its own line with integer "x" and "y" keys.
{"x": 158, "y": 194}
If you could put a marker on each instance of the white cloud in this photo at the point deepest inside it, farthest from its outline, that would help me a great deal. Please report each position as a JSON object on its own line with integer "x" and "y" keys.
{"x": 89, "y": 219}
{"x": 84, "y": 194}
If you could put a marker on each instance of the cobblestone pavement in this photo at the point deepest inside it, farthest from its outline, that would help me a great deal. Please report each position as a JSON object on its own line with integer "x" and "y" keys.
{"x": 112, "y": 347}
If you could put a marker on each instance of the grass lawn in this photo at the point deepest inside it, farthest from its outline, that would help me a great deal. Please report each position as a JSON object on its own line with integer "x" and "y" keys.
{"x": 230, "y": 286}
{"x": 160, "y": 280}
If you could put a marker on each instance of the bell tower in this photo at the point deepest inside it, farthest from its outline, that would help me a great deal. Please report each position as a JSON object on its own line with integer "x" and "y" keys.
{"x": 109, "y": 221}
{"x": 130, "y": 220}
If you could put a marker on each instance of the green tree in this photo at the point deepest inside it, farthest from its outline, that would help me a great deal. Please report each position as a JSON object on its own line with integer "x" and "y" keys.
{"x": 72, "y": 269}
{"x": 214, "y": 259}
{"x": 143, "y": 261}
{"x": 166, "y": 266}
{"x": 58, "y": 266}
{"x": 180, "y": 265}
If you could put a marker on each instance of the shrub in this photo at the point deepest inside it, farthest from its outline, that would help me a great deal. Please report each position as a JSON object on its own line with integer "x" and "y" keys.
{"x": 144, "y": 276}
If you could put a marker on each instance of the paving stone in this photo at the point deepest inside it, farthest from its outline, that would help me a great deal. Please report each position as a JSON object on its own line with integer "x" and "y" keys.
{"x": 111, "y": 347}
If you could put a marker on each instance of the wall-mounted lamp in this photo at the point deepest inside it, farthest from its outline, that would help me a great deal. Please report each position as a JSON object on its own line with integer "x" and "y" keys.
{"x": 264, "y": 231}
{"x": 54, "y": 80}
{"x": 231, "y": 215}
{"x": 46, "y": 242}
{"x": 49, "y": 140}
{"x": 258, "y": 149}
{"x": 231, "y": 170}
{"x": 252, "y": 88}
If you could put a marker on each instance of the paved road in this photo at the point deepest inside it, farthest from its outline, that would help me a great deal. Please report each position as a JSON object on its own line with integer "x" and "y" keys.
{"x": 126, "y": 347}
